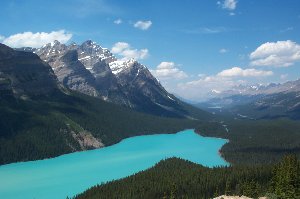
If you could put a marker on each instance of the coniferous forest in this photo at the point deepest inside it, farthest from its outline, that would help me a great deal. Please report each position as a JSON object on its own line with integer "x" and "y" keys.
{"x": 177, "y": 178}
{"x": 90, "y": 91}
{"x": 261, "y": 165}
{"x": 40, "y": 128}
{"x": 254, "y": 142}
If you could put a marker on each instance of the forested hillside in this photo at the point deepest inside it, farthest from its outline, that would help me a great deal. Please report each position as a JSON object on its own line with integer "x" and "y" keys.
{"x": 41, "y": 119}
{"x": 45, "y": 127}
{"x": 176, "y": 178}
{"x": 255, "y": 141}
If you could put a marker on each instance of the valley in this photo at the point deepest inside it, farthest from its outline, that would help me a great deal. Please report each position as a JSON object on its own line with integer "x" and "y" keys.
{"x": 150, "y": 99}
{"x": 63, "y": 118}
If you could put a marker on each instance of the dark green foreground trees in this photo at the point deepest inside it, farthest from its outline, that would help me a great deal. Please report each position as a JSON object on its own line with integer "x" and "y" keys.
{"x": 285, "y": 182}
{"x": 176, "y": 178}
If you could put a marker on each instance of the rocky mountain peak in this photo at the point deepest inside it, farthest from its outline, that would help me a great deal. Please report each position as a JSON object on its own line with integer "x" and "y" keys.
{"x": 55, "y": 43}
{"x": 88, "y": 43}
{"x": 119, "y": 66}
{"x": 93, "y": 70}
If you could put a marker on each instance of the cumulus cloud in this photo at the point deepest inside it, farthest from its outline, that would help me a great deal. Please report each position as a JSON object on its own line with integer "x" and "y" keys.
{"x": 205, "y": 86}
{"x": 239, "y": 72}
{"x": 168, "y": 70}
{"x": 1, "y": 38}
{"x": 278, "y": 54}
{"x": 228, "y": 4}
{"x": 124, "y": 50}
{"x": 118, "y": 21}
{"x": 36, "y": 40}
{"x": 208, "y": 85}
{"x": 119, "y": 47}
{"x": 143, "y": 25}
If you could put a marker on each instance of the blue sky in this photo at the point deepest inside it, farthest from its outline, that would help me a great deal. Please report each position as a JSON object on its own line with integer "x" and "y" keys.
{"x": 191, "y": 46}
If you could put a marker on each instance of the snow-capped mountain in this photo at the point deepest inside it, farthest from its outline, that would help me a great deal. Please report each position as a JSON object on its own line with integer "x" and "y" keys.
{"x": 261, "y": 89}
{"x": 95, "y": 71}
{"x": 256, "y": 101}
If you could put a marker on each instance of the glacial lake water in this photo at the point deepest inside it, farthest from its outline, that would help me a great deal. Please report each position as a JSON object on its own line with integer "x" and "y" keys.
{"x": 70, "y": 174}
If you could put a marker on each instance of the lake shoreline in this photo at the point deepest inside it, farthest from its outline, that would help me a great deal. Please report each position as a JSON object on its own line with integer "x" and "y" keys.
{"x": 81, "y": 170}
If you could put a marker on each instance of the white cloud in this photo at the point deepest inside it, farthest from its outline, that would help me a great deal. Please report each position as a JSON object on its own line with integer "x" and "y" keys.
{"x": 228, "y": 4}
{"x": 124, "y": 50}
{"x": 1, "y": 38}
{"x": 168, "y": 70}
{"x": 119, "y": 47}
{"x": 207, "y": 86}
{"x": 143, "y": 25}
{"x": 279, "y": 54}
{"x": 118, "y": 21}
{"x": 29, "y": 39}
{"x": 204, "y": 87}
{"x": 223, "y": 50}
{"x": 238, "y": 72}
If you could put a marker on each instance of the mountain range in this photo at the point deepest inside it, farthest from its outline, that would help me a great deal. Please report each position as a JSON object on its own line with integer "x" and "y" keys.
{"x": 258, "y": 100}
{"x": 90, "y": 69}
{"x": 49, "y": 110}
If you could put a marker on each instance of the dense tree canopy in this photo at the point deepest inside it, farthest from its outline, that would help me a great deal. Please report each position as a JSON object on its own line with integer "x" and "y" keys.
{"x": 177, "y": 178}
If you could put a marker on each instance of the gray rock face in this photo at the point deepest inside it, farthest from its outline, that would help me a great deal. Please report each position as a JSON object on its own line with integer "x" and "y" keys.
{"x": 83, "y": 68}
{"x": 140, "y": 86}
{"x": 93, "y": 70}
{"x": 73, "y": 74}
{"x": 23, "y": 74}
{"x": 89, "y": 53}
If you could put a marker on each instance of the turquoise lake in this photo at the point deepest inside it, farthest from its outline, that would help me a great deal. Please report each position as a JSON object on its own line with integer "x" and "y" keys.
{"x": 70, "y": 174}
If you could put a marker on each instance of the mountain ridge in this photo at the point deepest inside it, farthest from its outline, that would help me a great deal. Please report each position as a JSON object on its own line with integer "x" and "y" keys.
{"x": 124, "y": 82}
{"x": 40, "y": 118}
{"x": 258, "y": 101}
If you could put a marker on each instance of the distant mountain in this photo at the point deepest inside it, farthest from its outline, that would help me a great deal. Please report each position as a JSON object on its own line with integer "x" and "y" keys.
{"x": 93, "y": 70}
{"x": 259, "y": 101}
{"x": 40, "y": 118}
{"x": 260, "y": 89}
{"x": 283, "y": 104}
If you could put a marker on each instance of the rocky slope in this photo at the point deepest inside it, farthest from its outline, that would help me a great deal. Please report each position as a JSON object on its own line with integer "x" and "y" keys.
{"x": 93, "y": 70}
{"x": 23, "y": 74}
{"x": 40, "y": 118}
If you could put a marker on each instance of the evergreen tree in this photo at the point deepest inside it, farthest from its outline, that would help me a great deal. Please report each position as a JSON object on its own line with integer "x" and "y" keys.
{"x": 227, "y": 187}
